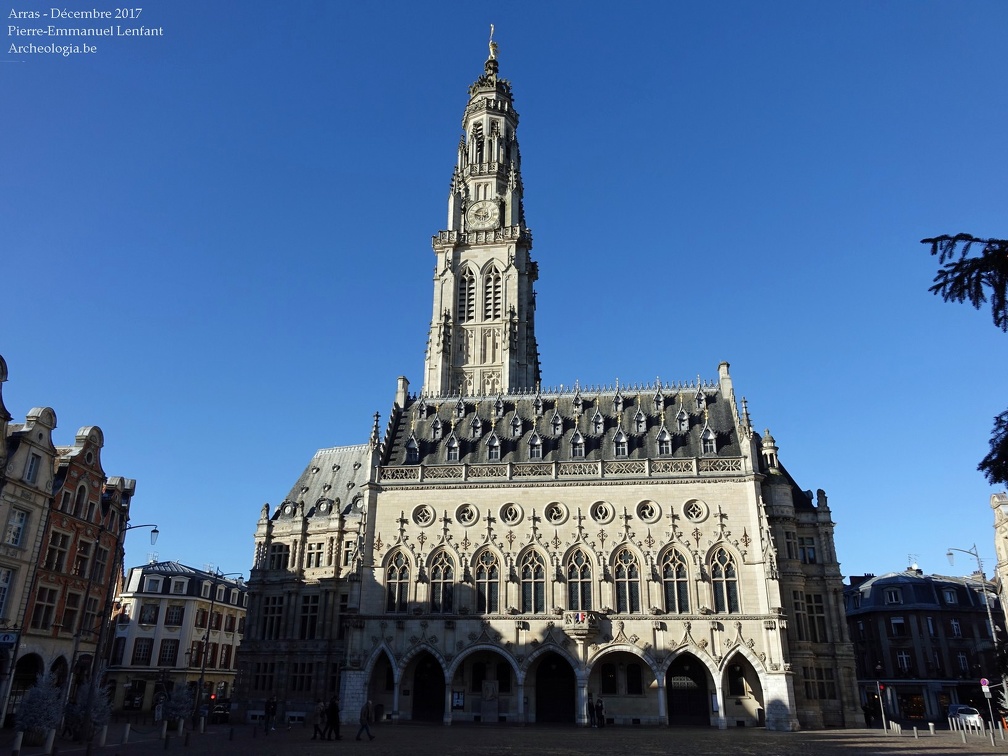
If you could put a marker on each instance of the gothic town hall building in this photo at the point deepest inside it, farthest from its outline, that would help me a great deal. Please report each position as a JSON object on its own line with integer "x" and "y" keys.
{"x": 504, "y": 552}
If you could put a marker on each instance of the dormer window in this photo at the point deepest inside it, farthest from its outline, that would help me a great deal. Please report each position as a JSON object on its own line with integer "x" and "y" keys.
{"x": 598, "y": 423}
{"x": 617, "y": 404}
{"x": 708, "y": 442}
{"x": 682, "y": 421}
{"x": 659, "y": 402}
{"x": 476, "y": 427}
{"x": 453, "y": 449}
{"x": 493, "y": 448}
{"x": 664, "y": 443}
{"x": 701, "y": 400}
{"x": 412, "y": 452}
{"x": 620, "y": 444}
{"x": 577, "y": 446}
{"x": 556, "y": 424}
{"x": 436, "y": 428}
{"x": 516, "y": 426}
{"x": 640, "y": 422}
{"x": 535, "y": 447}
{"x": 498, "y": 408}
{"x": 460, "y": 409}
{"x": 537, "y": 405}
{"x": 577, "y": 403}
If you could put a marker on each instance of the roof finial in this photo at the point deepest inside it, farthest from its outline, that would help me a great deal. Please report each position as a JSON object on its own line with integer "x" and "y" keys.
{"x": 493, "y": 45}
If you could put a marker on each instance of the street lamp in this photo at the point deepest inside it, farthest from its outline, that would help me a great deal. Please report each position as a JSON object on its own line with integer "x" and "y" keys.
{"x": 216, "y": 579}
{"x": 983, "y": 583}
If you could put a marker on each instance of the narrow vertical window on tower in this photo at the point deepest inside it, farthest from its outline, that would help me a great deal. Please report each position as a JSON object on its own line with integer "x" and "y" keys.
{"x": 492, "y": 299}
{"x": 466, "y": 296}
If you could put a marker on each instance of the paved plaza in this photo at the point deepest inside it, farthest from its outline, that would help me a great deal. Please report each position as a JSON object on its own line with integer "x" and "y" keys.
{"x": 493, "y": 740}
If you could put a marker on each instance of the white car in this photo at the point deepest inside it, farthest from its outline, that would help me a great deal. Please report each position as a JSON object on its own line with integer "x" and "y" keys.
{"x": 965, "y": 715}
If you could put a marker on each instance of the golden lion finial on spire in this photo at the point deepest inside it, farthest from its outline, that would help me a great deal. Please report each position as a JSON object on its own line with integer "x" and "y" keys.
{"x": 493, "y": 45}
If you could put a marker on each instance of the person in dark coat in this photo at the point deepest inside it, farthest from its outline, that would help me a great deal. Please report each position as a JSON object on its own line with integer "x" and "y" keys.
{"x": 271, "y": 710}
{"x": 599, "y": 712}
{"x": 590, "y": 710}
{"x": 366, "y": 716}
{"x": 332, "y": 720}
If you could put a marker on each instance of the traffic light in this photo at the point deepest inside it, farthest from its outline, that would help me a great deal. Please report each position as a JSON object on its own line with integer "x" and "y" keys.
{"x": 213, "y": 696}
{"x": 881, "y": 686}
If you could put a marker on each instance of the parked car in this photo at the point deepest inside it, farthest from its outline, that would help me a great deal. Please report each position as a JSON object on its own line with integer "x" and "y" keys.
{"x": 965, "y": 715}
{"x": 220, "y": 713}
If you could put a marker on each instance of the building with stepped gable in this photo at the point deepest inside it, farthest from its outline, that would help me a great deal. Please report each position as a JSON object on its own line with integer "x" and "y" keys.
{"x": 504, "y": 552}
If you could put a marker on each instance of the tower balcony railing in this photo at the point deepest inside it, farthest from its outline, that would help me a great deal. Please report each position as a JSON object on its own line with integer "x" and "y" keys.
{"x": 530, "y": 471}
{"x": 503, "y": 234}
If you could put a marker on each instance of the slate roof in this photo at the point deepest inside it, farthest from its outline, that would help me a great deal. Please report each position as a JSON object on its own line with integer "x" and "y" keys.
{"x": 917, "y": 591}
{"x": 598, "y": 417}
{"x": 334, "y": 476}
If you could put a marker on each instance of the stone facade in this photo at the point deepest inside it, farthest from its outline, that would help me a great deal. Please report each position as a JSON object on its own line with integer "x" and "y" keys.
{"x": 506, "y": 552}
{"x": 173, "y": 626}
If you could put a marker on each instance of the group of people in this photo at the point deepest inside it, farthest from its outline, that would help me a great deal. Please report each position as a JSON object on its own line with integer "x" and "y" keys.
{"x": 326, "y": 720}
{"x": 596, "y": 711}
{"x": 329, "y": 716}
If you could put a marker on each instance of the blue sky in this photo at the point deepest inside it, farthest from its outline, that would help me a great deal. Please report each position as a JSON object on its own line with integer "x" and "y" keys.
{"x": 216, "y": 243}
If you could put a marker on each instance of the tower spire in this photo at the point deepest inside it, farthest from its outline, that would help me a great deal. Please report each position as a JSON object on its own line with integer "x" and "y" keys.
{"x": 482, "y": 338}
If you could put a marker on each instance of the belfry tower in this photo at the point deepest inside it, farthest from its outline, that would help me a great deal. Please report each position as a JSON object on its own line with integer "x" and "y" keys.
{"x": 482, "y": 337}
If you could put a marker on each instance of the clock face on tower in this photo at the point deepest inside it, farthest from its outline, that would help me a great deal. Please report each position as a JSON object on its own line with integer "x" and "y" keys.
{"x": 483, "y": 215}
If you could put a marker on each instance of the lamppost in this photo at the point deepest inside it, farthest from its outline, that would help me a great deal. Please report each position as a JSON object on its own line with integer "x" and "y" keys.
{"x": 216, "y": 579}
{"x": 983, "y": 583}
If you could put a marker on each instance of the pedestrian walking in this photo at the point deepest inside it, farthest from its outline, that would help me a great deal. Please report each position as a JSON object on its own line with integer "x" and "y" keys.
{"x": 333, "y": 719}
{"x": 270, "y": 718}
{"x": 318, "y": 720}
{"x": 599, "y": 712}
{"x": 590, "y": 710}
{"x": 366, "y": 716}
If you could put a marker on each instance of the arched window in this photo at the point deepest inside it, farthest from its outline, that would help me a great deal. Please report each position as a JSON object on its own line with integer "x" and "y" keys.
{"x": 724, "y": 581}
{"x": 492, "y": 300}
{"x": 579, "y": 579}
{"x": 442, "y": 583}
{"x": 80, "y": 501}
{"x": 533, "y": 583}
{"x": 487, "y": 583}
{"x": 412, "y": 452}
{"x": 675, "y": 582}
{"x": 493, "y": 449}
{"x": 627, "y": 583}
{"x": 466, "y": 296}
{"x": 453, "y": 449}
{"x": 397, "y": 582}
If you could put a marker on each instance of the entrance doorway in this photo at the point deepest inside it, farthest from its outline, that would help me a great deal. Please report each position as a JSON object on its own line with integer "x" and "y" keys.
{"x": 688, "y": 699}
{"x": 555, "y": 689}
{"x": 428, "y": 689}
